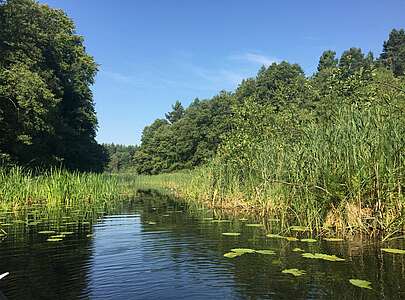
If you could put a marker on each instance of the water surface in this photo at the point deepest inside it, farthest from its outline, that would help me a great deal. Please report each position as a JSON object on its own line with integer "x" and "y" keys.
{"x": 156, "y": 248}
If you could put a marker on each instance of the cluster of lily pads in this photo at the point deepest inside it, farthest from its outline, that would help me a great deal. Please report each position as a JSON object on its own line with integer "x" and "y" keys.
{"x": 33, "y": 222}
{"x": 237, "y": 252}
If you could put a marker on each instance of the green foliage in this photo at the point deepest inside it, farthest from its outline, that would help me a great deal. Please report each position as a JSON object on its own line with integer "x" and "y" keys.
{"x": 328, "y": 60}
{"x": 121, "y": 158}
{"x": 393, "y": 55}
{"x": 325, "y": 150}
{"x": 20, "y": 188}
{"x": 47, "y": 114}
{"x": 185, "y": 141}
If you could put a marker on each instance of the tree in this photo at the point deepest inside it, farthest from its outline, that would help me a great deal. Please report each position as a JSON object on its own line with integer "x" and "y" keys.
{"x": 176, "y": 114}
{"x": 353, "y": 60}
{"x": 327, "y": 60}
{"x": 393, "y": 55}
{"x": 47, "y": 112}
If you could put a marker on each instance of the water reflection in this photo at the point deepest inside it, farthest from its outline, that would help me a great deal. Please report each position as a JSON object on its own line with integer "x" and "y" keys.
{"x": 154, "y": 247}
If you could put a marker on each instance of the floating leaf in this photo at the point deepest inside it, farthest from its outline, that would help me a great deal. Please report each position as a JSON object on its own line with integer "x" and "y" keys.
{"x": 231, "y": 233}
{"x": 46, "y": 232}
{"x": 59, "y": 236}
{"x": 291, "y": 238}
{"x": 89, "y": 235}
{"x": 54, "y": 239}
{"x": 232, "y": 254}
{"x": 298, "y": 228}
{"x": 243, "y": 219}
{"x": 208, "y": 219}
{"x": 266, "y": 252}
{"x": 322, "y": 256}
{"x": 308, "y": 240}
{"x": 151, "y": 223}
{"x": 333, "y": 239}
{"x": 361, "y": 283}
{"x": 294, "y": 272}
{"x": 67, "y": 232}
{"x": 165, "y": 215}
{"x": 220, "y": 221}
{"x": 254, "y": 225}
{"x": 243, "y": 250}
{"x": 298, "y": 250}
{"x": 394, "y": 251}
{"x": 274, "y": 236}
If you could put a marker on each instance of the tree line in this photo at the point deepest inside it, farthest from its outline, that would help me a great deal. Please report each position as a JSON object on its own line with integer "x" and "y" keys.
{"x": 189, "y": 137}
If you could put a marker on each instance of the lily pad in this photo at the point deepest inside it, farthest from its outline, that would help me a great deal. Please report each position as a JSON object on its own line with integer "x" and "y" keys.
{"x": 232, "y": 254}
{"x": 89, "y": 235}
{"x": 294, "y": 272}
{"x": 58, "y": 236}
{"x": 220, "y": 221}
{"x": 298, "y": 228}
{"x": 266, "y": 252}
{"x": 274, "y": 236}
{"x": 364, "y": 284}
{"x": 291, "y": 238}
{"x": 54, "y": 240}
{"x": 308, "y": 240}
{"x": 254, "y": 225}
{"x": 67, "y": 232}
{"x": 243, "y": 250}
{"x": 231, "y": 233}
{"x": 394, "y": 251}
{"x": 334, "y": 239}
{"x": 297, "y": 250}
{"x": 322, "y": 256}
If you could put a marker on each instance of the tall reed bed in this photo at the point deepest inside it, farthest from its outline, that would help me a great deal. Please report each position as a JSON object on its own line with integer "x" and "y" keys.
{"x": 345, "y": 172}
{"x": 20, "y": 187}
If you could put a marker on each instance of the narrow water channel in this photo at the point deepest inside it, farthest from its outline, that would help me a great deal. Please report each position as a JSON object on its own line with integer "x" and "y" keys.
{"x": 155, "y": 248}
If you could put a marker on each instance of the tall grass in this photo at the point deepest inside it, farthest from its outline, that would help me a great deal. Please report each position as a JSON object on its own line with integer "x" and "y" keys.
{"x": 20, "y": 187}
{"x": 346, "y": 172}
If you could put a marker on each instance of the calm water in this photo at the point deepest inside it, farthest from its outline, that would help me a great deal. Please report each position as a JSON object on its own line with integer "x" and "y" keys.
{"x": 155, "y": 248}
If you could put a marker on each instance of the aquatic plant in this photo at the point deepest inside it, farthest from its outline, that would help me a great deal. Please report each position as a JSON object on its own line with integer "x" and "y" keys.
{"x": 364, "y": 284}
{"x": 322, "y": 256}
{"x": 295, "y": 272}
{"x": 394, "y": 251}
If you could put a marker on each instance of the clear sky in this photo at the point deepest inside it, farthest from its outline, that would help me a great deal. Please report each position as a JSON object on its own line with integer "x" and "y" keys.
{"x": 154, "y": 52}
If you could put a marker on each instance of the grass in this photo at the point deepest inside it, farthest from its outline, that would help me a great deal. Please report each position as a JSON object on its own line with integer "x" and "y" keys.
{"x": 346, "y": 174}
{"x": 20, "y": 188}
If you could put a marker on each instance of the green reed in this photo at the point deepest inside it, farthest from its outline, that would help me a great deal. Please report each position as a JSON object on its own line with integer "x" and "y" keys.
{"x": 20, "y": 187}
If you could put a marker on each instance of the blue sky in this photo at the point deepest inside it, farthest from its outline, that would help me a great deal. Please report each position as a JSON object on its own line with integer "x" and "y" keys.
{"x": 154, "y": 52}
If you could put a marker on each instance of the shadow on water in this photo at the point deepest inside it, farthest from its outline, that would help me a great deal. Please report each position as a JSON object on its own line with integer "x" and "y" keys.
{"x": 157, "y": 247}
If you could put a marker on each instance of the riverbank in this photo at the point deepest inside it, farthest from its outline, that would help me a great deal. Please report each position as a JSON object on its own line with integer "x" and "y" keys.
{"x": 350, "y": 217}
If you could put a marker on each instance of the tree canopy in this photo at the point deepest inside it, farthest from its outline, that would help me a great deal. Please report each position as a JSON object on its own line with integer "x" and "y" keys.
{"x": 47, "y": 115}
